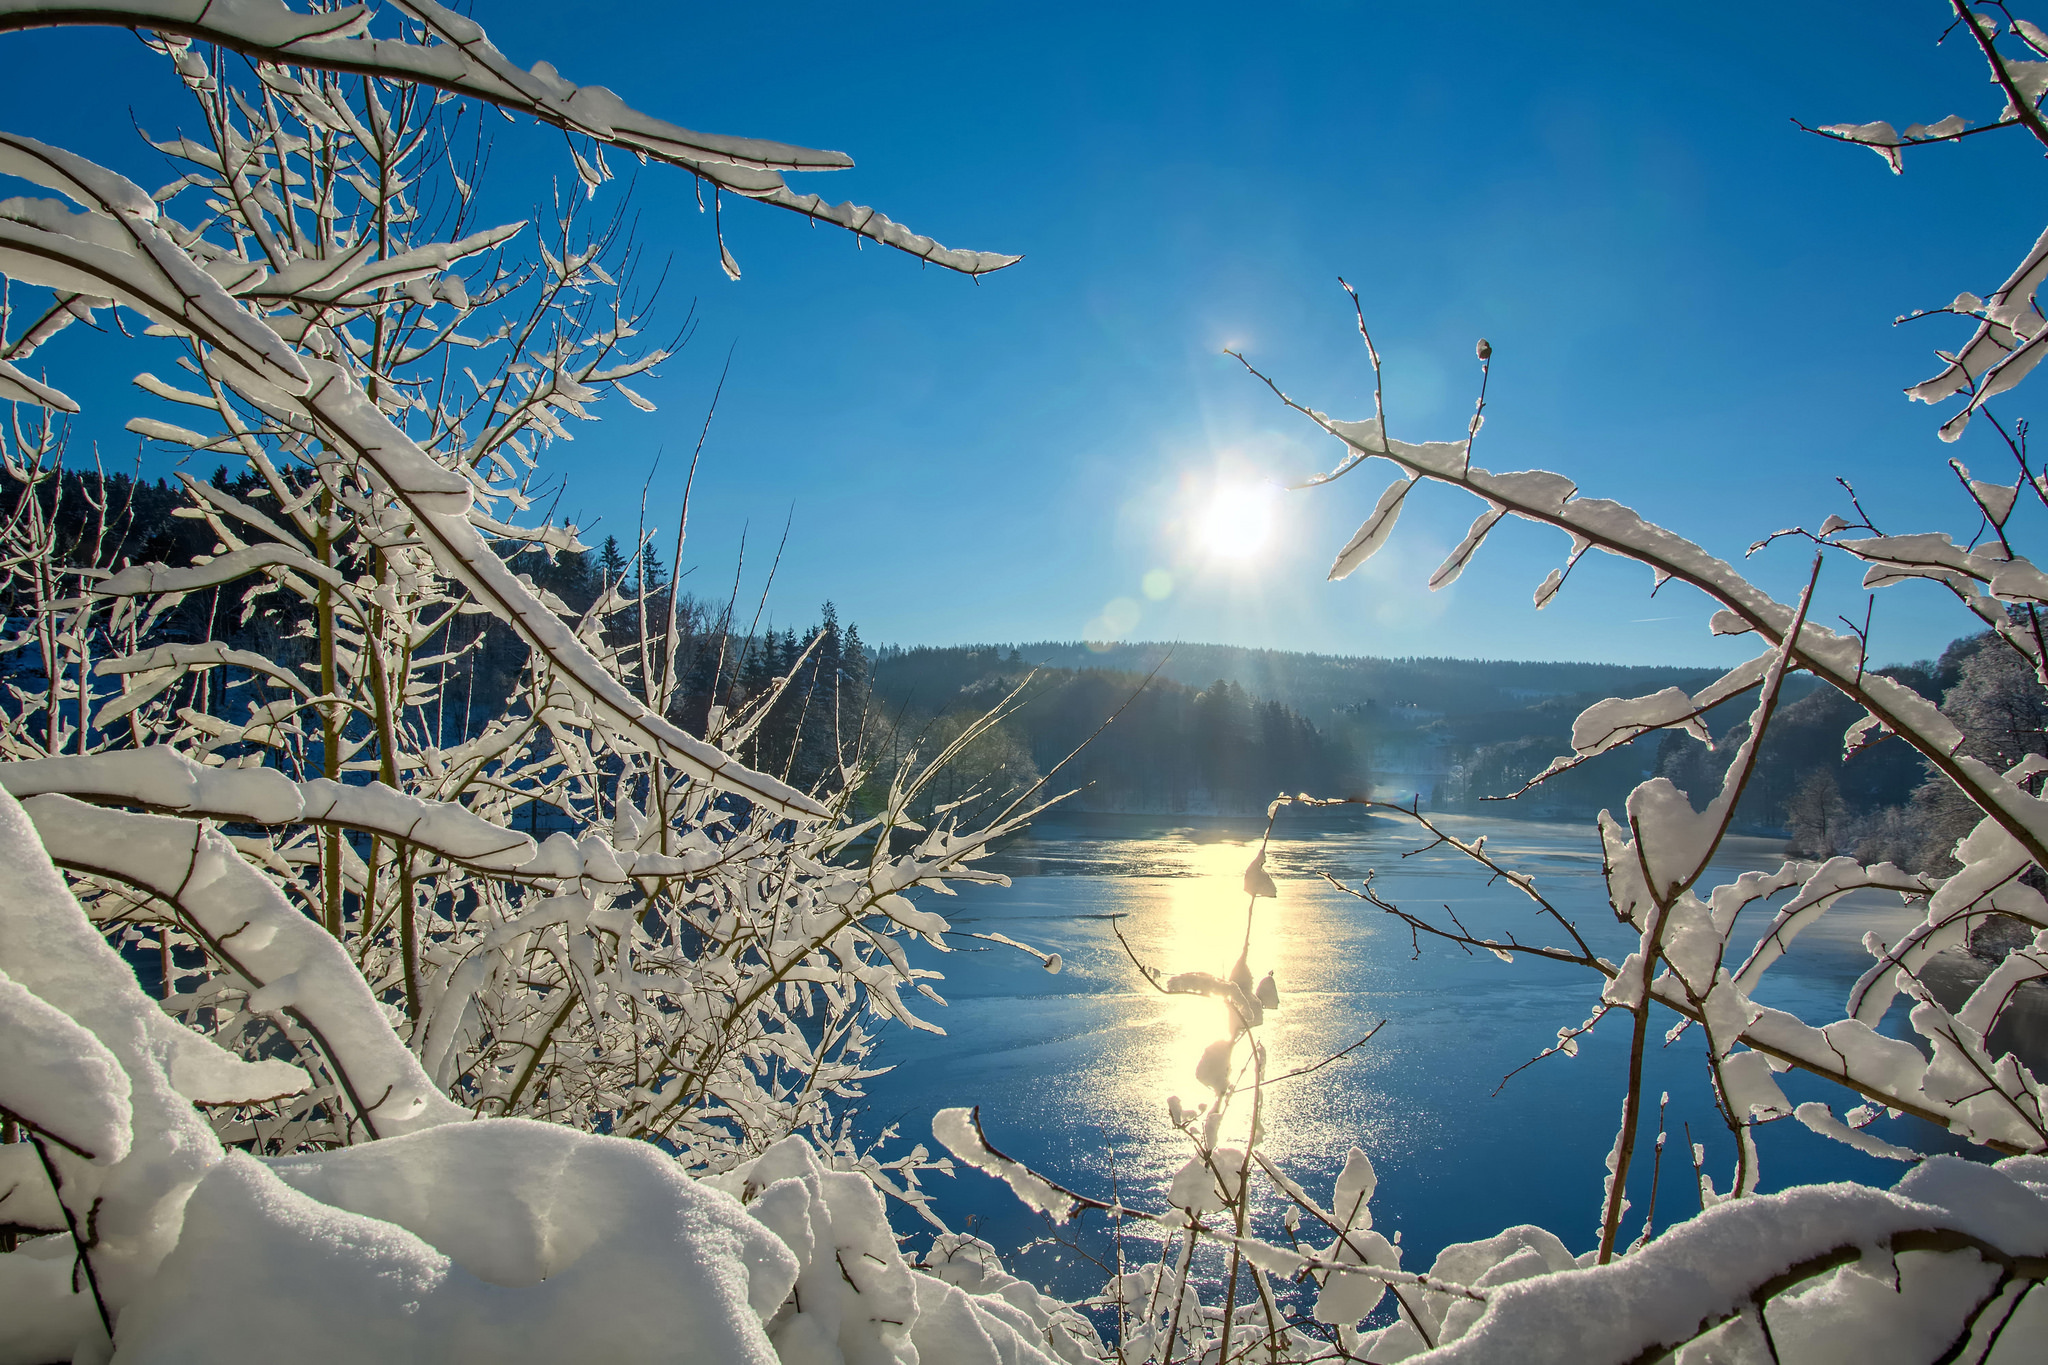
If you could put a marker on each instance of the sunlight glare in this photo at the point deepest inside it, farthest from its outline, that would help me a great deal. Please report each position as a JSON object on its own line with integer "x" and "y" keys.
{"x": 1237, "y": 522}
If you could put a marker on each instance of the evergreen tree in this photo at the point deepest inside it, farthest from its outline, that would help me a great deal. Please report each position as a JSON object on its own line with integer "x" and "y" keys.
{"x": 649, "y": 577}
{"x": 611, "y": 562}
{"x": 854, "y": 664}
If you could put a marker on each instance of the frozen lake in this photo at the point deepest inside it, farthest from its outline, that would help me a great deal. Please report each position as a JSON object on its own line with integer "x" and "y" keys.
{"x": 1072, "y": 1071}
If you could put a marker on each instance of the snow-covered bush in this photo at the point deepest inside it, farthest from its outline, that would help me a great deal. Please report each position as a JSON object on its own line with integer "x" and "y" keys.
{"x": 690, "y": 963}
{"x": 451, "y": 1238}
{"x": 1948, "y": 1264}
{"x": 308, "y": 849}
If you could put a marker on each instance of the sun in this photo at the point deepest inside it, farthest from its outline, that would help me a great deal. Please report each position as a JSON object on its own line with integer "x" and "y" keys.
{"x": 1237, "y": 520}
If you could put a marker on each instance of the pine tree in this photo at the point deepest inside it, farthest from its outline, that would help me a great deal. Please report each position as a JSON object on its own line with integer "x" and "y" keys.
{"x": 649, "y": 577}
{"x": 611, "y": 562}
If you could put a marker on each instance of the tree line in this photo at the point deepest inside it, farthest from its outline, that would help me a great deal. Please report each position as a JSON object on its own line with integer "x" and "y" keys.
{"x": 818, "y": 675}
{"x": 1122, "y": 741}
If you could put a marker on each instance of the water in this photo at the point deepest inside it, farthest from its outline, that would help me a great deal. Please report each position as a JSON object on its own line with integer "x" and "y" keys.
{"x": 1072, "y": 1070}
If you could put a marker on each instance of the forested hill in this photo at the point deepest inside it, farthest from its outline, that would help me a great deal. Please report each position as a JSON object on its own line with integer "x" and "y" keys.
{"x": 1217, "y": 730}
{"x": 1168, "y": 749}
{"x": 1220, "y": 729}
{"x": 1308, "y": 683}
{"x": 1454, "y": 733}
{"x": 1449, "y": 732}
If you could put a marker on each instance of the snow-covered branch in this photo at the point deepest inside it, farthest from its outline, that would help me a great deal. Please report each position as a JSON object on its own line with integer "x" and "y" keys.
{"x": 449, "y": 51}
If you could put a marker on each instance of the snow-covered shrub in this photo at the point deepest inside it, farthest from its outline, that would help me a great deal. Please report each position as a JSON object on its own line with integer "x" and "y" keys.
{"x": 1948, "y": 1264}
{"x": 453, "y": 1238}
{"x": 308, "y": 849}
{"x": 692, "y": 962}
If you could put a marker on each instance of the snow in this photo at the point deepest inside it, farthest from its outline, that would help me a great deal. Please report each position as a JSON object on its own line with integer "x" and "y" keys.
{"x": 1821, "y": 1119}
{"x": 160, "y": 778}
{"x": 1826, "y": 884}
{"x": 856, "y": 1299}
{"x": 26, "y": 1199}
{"x": 1258, "y": 881}
{"x": 1454, "y": 563}
{"x": 438, "y": 1235}
{"x": 1368, "y": 539}
{"x": 148, "y": 580}
{"x": 1990, "y": 348}
{"x": 959, "y": 1132}
{"x": 146, "y": 270}
{"x": 1352, "y": 1200}
{"x": 1615, "y": 721}
{"x": 507, "y": 1241}
{"x": 951, "y": 1327}
{"x": 499, "y": 1239}
{"x": 44, "y": 1320}
{"x": 1704, "y": 1269}
{"x": 206, "y": 1073}
{"x": 1207, "y": 1184}
{"x": 441, "y": 500}
{"x": 1348, "y": 1296}
{"x": 273, "y": 947}
{"x": 49, "y": 950}
{"x": 16, "y": 387}
{"x": 1990, "y": 998}
{"x": 463, "y": 60}
{"x": 448, "y": 829}
{"x": 58, "y": 1079}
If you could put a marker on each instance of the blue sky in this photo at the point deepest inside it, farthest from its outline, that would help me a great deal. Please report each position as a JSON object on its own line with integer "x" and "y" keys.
{"x": 1689, "y": 299}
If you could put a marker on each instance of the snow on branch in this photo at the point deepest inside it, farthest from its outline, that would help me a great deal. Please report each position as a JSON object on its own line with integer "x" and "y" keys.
{"x": 58, "y": 1079}
{"x": 330, "y": 399}
{"x": 151, "y": 580}
{"x": 456, "y": 55}
{"x": 117, "y": 249}
{"x": 289, "y": 963}
{"x": 1732, "y": 1262}
{"x": 16, "y": 387}
{"x": 1549, "y": 499}
{"x": 440, "y": 501}
{"x": 959, "y": 1131}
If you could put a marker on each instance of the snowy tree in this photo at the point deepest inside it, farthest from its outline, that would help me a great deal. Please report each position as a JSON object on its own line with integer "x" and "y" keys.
{"x": 1817, "y": 816}
{"x": 308, "y": 853}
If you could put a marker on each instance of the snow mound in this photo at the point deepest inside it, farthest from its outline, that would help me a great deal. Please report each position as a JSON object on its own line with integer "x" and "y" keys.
{"x": 504, "y": 1240}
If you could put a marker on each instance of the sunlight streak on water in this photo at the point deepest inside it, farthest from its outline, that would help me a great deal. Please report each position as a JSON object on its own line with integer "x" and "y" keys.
{"x": 1073, "y": 1071}
{"x": 1204, "y": 929}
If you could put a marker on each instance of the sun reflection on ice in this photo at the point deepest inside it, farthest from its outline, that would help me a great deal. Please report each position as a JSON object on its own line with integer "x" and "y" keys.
{"x": 1199, "y": 925}
{"x": 1208, "y": 933}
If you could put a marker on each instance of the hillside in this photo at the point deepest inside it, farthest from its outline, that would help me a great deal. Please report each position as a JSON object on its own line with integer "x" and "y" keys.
{"x": 1171, "y": 749}
{"x": 1446, "y": 731}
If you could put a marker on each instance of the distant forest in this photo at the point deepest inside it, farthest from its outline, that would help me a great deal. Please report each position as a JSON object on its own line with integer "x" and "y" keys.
{"x": 721, "y": 659}
{"x": 1446, "y": 731}
{"x": 1170, "y": 749}
{"x": 1218, "y": 749}
{"x": 1462, "y": 734}
{"x": 1216, "y": 730}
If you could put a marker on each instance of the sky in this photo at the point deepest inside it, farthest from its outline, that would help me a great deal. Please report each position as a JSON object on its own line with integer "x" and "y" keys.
{"x": 1689, "y": 301}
